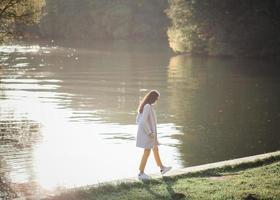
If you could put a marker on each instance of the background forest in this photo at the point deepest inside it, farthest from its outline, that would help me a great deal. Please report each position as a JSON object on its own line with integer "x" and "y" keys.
{"x": 242, "y": 28}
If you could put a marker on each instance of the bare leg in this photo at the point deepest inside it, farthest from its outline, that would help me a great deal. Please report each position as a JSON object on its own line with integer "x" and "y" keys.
{"x": 157, "y": 157}
{"x": 144, "y": 160}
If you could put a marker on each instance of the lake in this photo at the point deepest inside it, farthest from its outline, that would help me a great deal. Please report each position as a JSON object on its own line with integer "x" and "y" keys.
{"x": 67, "y": 114}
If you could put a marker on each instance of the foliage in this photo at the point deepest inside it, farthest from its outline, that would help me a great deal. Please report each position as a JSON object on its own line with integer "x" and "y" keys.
{"x": 13, "y": 13}
{"x": 219, "y": 27}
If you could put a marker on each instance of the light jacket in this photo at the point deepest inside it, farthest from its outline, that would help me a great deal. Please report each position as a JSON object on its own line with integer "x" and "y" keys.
{"x": 147, "y": 124}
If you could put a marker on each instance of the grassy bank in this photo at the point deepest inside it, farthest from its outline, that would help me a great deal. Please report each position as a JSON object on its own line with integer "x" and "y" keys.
{"x": 257, "y": 180}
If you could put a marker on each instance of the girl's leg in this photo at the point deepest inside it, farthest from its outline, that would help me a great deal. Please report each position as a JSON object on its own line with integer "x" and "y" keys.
{"x": 157, "y": 157}
{"x": 144, "y": 160}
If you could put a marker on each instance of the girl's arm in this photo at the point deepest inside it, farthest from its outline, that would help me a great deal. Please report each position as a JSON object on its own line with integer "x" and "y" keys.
{"x": 145, "y": 120}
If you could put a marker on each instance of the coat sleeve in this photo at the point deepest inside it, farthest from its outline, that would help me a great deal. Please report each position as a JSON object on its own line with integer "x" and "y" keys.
{"x": 145, "y": 119}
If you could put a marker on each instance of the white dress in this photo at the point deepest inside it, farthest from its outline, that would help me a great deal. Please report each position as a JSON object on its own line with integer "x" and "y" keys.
{"x": 147, "y": 123}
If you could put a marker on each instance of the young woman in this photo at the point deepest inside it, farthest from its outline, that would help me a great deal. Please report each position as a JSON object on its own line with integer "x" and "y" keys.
{"x": 147, "y": 133}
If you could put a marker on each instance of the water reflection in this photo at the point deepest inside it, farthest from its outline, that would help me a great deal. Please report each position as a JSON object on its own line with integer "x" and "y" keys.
{"x": 227, "y": 107}
{"x": 17, "y": 140}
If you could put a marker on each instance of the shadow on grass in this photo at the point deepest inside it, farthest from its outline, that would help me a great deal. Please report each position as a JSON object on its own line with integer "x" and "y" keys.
{"x": 217, "y": 172}
{"x": 173, "y": 195}
{"x": 168, "y": 184}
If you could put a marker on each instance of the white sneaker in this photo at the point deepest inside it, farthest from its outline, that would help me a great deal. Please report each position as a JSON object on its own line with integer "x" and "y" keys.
{"x": 143, "y": 176}
{"x": 165, "y": 169}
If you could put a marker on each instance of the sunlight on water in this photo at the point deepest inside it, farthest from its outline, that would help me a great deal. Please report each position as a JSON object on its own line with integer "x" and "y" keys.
{"x": 77, "y": 139}
{"x": 89, "y": 150}
{"x": 19, "y": 49}
{"x": 73, "y": 153}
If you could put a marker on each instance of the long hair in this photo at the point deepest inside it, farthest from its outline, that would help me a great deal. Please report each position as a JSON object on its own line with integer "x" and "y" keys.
{"x": 149, "y": 98}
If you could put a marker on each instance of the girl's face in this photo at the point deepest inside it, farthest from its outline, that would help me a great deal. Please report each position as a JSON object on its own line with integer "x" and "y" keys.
{"x": 157, "y": 98}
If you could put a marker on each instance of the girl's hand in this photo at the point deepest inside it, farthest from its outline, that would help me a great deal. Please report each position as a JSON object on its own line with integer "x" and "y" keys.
{"x": 152, "y": 135}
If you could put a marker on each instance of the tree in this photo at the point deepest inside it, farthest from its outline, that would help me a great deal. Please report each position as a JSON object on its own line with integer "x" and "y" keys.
{"x": 225, "y": 27}
{"x": 16, "y": 12}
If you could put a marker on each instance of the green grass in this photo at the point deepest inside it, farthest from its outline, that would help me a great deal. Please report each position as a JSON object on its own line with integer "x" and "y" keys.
{"x": 258, "y": 180}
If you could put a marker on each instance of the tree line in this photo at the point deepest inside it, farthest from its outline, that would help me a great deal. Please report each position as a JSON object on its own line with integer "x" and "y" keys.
{"x": 209, "y": 27}
{"x": 106, "y": 19}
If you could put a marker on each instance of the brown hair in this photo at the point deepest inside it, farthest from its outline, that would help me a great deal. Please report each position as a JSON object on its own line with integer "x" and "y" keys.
{"x": 149, "y": 98}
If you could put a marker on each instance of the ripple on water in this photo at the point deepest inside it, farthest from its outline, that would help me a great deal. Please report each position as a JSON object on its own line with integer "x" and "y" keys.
{"x": 19, "y": 49}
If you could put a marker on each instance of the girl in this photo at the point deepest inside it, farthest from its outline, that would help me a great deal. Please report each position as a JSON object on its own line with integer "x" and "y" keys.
{"x": 147, "y": 133}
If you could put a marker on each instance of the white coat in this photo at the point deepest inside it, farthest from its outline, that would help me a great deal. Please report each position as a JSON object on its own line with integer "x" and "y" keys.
{"x": 147, "y": 124}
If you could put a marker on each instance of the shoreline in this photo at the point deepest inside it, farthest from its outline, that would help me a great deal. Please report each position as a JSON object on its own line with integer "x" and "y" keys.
{"x": 239, "y": 164}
